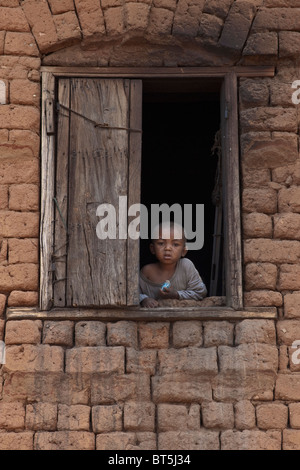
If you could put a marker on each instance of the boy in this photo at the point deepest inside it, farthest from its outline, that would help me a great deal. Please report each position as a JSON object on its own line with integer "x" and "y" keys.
{"x": 168, "y": 245}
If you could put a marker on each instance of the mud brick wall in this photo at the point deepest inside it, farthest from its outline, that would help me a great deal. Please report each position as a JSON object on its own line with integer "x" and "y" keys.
{"x": 223, "y": 384}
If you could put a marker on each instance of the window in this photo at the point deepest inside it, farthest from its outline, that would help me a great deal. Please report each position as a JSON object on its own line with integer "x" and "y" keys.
{"x": 92, "y": 154}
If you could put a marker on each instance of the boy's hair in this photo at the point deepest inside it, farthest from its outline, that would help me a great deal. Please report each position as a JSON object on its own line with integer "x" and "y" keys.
{"x": 164, "y": 228}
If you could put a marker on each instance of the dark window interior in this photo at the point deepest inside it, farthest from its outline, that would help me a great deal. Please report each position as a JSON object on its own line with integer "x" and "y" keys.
{"x": 180, "y": 121}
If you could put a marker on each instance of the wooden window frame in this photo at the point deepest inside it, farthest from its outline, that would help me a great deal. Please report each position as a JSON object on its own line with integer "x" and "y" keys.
{"x": 230, "y": 162}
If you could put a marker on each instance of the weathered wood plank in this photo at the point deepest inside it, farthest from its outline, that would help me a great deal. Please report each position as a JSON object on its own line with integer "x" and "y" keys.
{"x": 98, "y": 173}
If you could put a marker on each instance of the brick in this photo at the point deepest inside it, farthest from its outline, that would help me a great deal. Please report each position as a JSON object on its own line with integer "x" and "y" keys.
{"x": 291, "y": 439}
{"x": 289, "y": 43}
{"x": 270, "y": 153}
{"x": 174, "y": 417}
{"x": 287, "y": 226}
{"x": 262, "y": 200}
{"x": 4, "y": 197}
{"x": 58, "y": 332}
{"x": 250, "y": 440}
{"x": 217, "y": 7}
{"x": 122, "y": 333}
{"x": 90, "y": 333}
{"x": 20, "y": 44}
{"x": 160, "y": 21}
{"x": 260, "y": 276}
{"x": 61, "y": 6}
{"x": 73, "y": 418}
{"x": 13, "y": 19}
{"x": 18, "y": 298}
{"x": 114, "y": 20}
{"x": 2, "y": 304}
{"x": 266, "y": 118}
{"x": 115, "y": 440}
{"x": 277, "y": 19}
{"x": 186, "y": 19}
{"x": 107, "y": 418}
{"x": 19, "y": 117}
{"x": 140, "y": 361}
{"x": 67, "y": 26}
{"x": 64, "y": 440}
{"x": 90, "y": 17}
{"x": 137, "y": 16}
{"x": 24, "y": 197}
{"x": 287, "y": 174}
{"x": 16, "y": 440}
{"x": 287, "y": 387}
{"x": 19, "y": 277}
{"x": 257, "y": 225}
{"x": 17, "y": 224}
{"x": 253, "y": 93}
{"x": 244, "y": 385}
{"x": 294, "y": 415}
{"x": 262, "y": 298}
{"x": 272, "y": 416}
{"x": 210, "y": 28}
{"x": 247, "y": 358}
{"x": 289, "y": 277}
{"x": 288, "y": 199}
{"x": 217, "y": 415}
{"x": 23, "y": 250}
{"x": 154, "y": 335}
{"x": 41, "y": 416}
{"x": 108, "y": 390}
{"x": 12, "y": 416}
{"x": 216, "y": 333}
{"x": 18, "y": 171}
{"x": 189, "y": 440}
{"x": 244, "y": 415}
{"x": 261, "y": 44}
{"x": 255, "y": 331}
{"x": 292, "y": 305}
{"x": 191, "y": 360}
{"x": 187, "y": 334}
{"x": 273, "y": 251}
{"x": 19, "y": 67}
{"x": 99, "y": 359}
{"x": 288, "y": 331}
{"x": 280, "y": 93}
{"x": 32, "y": 358}
{"x": 139, "y": 416}
{"x": 41, "y": 22}
{"x": 237, "y": 25}
{"x": 181, "y": 388}
{"x": 23, "y": 332}
{"x": 18, "y": 95}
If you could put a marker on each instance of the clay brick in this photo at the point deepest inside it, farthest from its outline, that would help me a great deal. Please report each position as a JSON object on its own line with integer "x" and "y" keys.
{"x": 90, "y": 333}
{"x": 18, "y": 67}
{"x": 19, "y": 277}
{"x": 270, "y": 153}
{"x": 247, "y": 358}
{"x": 253, "y": 93}
{"x": 23, "y": 250}
{"x": 114, "y": 20}
{"x": 250, "y": 440}
{"x": 12, "y": 416}
{"x": 19, "y": 117}
{"x": 41, "y": 416}
{"x": 180, "y": 388}
{"x": 187, "y": 334}
{"x": 67, "y": 26}
{"x": 210, "y": 28}
{"x": 288, "y": 331}
{"x": 266, "y": 118}
{"x": 277, "y": 19}
{"x": 139, "y": 416}
{"x": 19, "y": 171}
{"x": 244, "y": 385}
{"x": 24, "y": 92}
{"x": 140, "y": 361}
{"x": 217, "y": 415}
{"x": 10, "y": 3}
{"x": 290, "y": 439}
{"x": 174, "y": 417}
{"x": 137, "y": 15}
{"x": 13, "y": 19}
{"x": 262, "y": 44}
{"x": 122, "y": 333}
{"x": 260, "y": 276}
{"x": 217, "y": 7}
{"x": 115, "y": 440}
{"x": 288, "y": 199}
{"x": 272, "y": 416}
{"x": 289, "y": 277}
{"x": 289, "y": 43}
{"x": 2, "y": 304}
{"x": 292, "y": 305}
{"x": 237, "y": 25}
{"x": 61, "y": 6}
{"x": 25, "y": 138}
{"x": 294, "y": 415}
{"x": 107, "y": 418}
{"x": 280, "y": 93}
{"x": 263, "y": 298}
{"x": 287, "y": 226}
{"x": 19, "y": 298}
{"x": 95, "y": 359}
{"x": 160, "y": 21}
{"x": 31, "y": 358}
{"x": 3, "y": 197}
{"x": 259, "y": 200}
{"x": 73, "y": 418}
{"x": 189, "y": 440}
{"x": 216, "y": 333}
{"x": 191, "y": 360}
{"x": 255, "y": 331}
{"x": 23, "y": 332}
{"x": 273, "y": 251}
{"x": 186, "y": 19}
{"x": 16, "y": 440}
{"x": 41, "y": 21}
{"x": 19, "y": 224}
{"x": 64, "y": 440}
{"x": 90, "y": 17}
{"x": 58, "y": 332}
{"x": 154, "y": 335}
{"x": 244, "y": 415}
{"x": 24, "y": 197}
{"x": 108, "y": 390}
{"x": 20, "y": 44}
{"x": 257, "y": 225}
{"x": 287, "y": 387}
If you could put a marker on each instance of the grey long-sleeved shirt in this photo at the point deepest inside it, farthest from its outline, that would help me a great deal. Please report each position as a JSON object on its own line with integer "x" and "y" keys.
{"x": 186, "y": 280}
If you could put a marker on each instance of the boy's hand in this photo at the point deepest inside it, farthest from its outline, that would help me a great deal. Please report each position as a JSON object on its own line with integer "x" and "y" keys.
{"x": 169, "y": 293}
{"x": 148, "y": 302}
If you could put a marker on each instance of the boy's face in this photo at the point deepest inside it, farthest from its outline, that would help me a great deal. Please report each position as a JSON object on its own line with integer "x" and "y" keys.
{"x": 169, "y": 250}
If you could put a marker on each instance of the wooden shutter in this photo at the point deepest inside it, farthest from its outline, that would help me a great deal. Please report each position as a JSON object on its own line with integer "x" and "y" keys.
{"x": 97, "y": 161}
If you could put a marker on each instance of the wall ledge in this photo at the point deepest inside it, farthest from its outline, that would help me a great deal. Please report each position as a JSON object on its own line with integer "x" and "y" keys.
{"x": 142, "y": 314}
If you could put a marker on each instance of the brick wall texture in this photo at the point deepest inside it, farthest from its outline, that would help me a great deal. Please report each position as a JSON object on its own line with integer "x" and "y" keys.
{"x": 155, "y": 385}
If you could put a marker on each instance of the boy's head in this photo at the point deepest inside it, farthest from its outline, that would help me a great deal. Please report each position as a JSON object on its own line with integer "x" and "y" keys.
{"x": 168, "y": 242}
